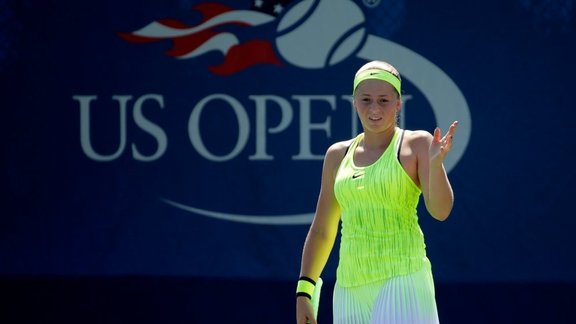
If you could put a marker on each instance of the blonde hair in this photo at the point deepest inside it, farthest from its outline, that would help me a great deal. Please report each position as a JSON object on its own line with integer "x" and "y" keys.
{"x": 379, "y": 65}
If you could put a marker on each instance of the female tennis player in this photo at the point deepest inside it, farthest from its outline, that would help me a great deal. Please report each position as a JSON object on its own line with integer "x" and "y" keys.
{"x": 372, "y": 184}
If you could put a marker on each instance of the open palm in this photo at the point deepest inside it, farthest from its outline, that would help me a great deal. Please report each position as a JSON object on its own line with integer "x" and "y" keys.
{"x": 441, "y": 145}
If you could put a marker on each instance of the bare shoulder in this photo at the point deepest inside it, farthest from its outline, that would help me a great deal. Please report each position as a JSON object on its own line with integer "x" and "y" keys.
{"x": 418, "y": 138}
{"x": 337, "y": 150}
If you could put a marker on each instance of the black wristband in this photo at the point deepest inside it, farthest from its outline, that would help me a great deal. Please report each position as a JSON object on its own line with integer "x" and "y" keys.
{"x": 304, "y": 295}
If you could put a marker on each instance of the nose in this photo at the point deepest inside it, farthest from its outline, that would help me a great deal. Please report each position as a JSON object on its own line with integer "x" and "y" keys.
{"x": 373, "y": 106}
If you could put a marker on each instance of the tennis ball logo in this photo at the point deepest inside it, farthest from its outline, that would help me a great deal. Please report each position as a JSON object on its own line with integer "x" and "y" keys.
{"x": 319, "y": 33}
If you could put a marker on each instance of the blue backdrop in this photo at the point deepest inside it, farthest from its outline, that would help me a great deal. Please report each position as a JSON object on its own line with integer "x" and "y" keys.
{"x": 185, "y": 139}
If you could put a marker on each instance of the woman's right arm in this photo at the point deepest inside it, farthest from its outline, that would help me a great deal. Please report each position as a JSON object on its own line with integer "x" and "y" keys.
{"x": 324, "y": 228}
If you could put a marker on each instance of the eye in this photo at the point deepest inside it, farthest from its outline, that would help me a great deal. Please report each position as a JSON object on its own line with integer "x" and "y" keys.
{"x": 383, "y": 101}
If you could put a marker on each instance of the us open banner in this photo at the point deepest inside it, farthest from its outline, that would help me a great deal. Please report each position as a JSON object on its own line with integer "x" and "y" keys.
{"x": 187, "y": 137}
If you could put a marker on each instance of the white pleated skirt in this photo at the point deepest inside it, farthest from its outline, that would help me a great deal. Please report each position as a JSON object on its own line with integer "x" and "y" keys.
{"x": 405, "y": 299}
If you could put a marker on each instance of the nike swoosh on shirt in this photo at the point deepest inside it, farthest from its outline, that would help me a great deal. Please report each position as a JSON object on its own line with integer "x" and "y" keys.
{"x": 357, "y": 175}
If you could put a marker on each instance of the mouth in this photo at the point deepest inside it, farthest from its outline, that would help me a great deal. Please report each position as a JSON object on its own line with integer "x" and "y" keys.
{"x": 374, "y": 118}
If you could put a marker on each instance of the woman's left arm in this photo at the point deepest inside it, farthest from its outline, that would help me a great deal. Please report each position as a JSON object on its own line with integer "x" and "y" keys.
{"x": 436, "y": 188}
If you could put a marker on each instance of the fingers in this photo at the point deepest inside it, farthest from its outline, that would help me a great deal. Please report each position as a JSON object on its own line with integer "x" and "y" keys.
{"x": 449, "y": 134}
{"x": 441, "y": 145}
{"x": 452, "y": 129}
{"x": 437, "y": 134}
{"x": 445, "y": 142}
{"x": 304, "y": 312}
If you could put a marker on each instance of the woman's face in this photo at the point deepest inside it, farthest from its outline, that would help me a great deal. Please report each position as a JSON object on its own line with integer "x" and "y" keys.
{"x": 377, "y": 104}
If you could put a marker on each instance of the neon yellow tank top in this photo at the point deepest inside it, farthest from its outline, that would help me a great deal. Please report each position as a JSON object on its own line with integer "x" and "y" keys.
{"x": 380, "y": 236}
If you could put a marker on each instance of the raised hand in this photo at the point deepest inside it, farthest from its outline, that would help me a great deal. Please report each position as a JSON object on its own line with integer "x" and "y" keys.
{"x": 440, "y": 146}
